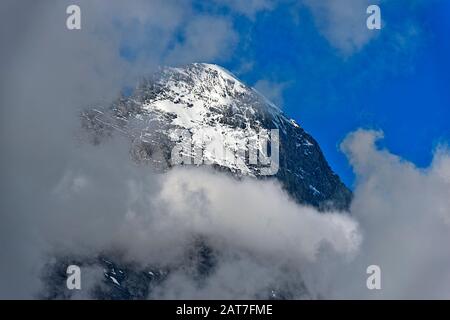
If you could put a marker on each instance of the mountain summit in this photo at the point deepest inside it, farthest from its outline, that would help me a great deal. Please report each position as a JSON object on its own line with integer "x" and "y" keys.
{"x": 208, "y": 103}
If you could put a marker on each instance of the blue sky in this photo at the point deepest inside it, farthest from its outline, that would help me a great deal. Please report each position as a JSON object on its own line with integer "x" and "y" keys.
{"x": 318, "y": 61}
{"x": 403, "y": 91}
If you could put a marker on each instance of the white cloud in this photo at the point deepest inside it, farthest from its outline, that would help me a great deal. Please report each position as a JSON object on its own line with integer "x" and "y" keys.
{"x": 264, "y": 219}
{"x": 200, "y": 45}
{"x": 343, "y": 22}
{"x": 404, "y": 215}
{"x": 248, "y": 8}
{"x": 272, "y": 90}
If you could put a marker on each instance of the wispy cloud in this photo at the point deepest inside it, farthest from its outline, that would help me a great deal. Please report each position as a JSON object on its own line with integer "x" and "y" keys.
{"x": 248, "y": 8}
{"x": 272, "y": 90}
{"x": 343, "y": 23}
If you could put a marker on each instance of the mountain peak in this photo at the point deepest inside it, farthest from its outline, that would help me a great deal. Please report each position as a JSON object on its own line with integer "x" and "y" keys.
{"x": 211, "y": 104}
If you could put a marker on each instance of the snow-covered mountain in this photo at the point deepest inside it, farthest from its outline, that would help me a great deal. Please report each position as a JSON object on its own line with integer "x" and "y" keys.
{"x": 211, "y": 105}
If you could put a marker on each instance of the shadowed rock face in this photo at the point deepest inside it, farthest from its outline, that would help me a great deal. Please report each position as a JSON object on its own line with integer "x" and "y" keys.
{"x": 200, "y": 98}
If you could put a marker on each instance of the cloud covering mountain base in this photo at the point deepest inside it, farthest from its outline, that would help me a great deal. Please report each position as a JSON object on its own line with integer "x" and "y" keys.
{"x": 101, "y": 202}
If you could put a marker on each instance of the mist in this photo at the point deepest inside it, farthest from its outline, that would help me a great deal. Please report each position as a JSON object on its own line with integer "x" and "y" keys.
{"x": 50, "y": 74}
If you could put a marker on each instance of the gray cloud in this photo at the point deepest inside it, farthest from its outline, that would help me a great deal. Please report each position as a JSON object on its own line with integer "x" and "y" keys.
{"x": 48, "y": 74}
{"x": 272, "y": 90}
